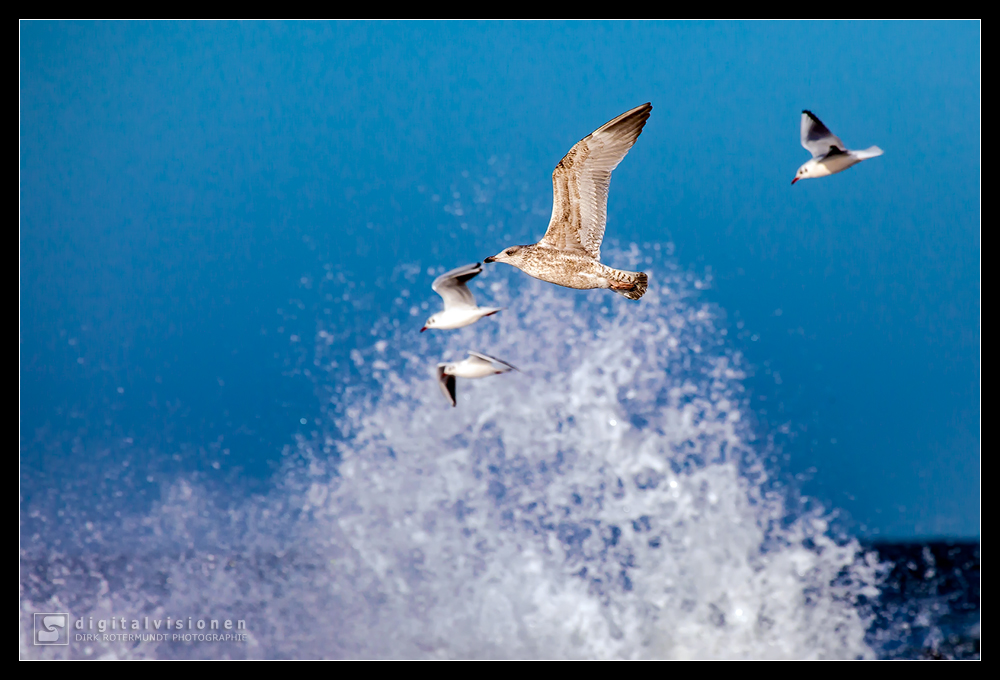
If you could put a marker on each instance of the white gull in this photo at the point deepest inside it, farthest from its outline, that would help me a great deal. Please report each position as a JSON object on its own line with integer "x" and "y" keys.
{"x": 478, "y": 365}
{"x": 829, "y": 153}
{"x": 459, "y": 304}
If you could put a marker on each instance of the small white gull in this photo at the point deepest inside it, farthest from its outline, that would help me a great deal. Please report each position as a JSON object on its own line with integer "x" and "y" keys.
{"x": 829, "y": 153}
{"x": 478, "y": 365}
{"x": 459, "y": 304}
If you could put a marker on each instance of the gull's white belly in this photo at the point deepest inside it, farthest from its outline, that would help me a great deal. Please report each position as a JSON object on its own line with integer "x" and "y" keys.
{"x": 458, "y": 317}
{"x": 836, "y": 164}
{"x": 466, "y": 369}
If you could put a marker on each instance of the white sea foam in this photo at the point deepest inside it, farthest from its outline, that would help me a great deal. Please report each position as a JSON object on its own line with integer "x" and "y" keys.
{"x": 604, "y": 502}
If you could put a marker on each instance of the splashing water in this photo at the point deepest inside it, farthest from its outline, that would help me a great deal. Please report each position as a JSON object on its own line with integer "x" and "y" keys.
{"x": 602, "y": 502}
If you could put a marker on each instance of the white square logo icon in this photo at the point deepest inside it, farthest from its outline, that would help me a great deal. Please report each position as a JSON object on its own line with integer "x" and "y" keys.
{"x": 52, "y": 628}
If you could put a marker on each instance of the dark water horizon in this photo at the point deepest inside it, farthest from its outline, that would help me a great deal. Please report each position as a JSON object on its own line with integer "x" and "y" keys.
{"x": 929, "y": 602}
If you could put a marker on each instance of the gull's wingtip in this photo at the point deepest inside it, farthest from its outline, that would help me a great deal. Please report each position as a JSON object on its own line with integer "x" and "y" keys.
{"x": 447, "y": 384}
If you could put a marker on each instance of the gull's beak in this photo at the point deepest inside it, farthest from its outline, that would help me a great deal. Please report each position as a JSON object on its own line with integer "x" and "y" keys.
{"x": 423, "y": 329}
{"x": 490, "y": 259}
{"x": 795, "y": 180}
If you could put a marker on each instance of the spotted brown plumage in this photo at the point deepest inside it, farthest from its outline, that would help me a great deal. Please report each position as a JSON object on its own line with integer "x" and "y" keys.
{"x": 569, "y": 253}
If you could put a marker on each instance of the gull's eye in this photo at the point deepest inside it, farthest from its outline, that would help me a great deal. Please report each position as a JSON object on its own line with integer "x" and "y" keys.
{"x": 511, "y": 251}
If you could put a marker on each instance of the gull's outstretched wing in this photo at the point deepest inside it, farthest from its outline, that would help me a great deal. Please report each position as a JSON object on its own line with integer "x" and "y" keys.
{"x": 447, "y": 384}
{"x": 451, "y": 286}
{"x": 493, "y": 361}
{"x": 580, "y": 183}
{"x": 817, "y": 138}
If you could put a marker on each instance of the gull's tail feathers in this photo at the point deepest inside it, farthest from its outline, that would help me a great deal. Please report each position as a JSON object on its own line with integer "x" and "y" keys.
{"x": 630, "y": 284}
{"x": 870, "y": 152}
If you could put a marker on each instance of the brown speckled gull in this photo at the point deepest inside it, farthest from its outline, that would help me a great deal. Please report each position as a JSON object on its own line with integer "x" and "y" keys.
{"x": 570, "y": 252}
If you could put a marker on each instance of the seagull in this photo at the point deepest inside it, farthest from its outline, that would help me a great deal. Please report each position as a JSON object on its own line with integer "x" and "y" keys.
{"x": 829, "y": 153}
{"x": 570, "y": 252}
{"x": 459, "y": 304}
{"x": 476, "y": 366}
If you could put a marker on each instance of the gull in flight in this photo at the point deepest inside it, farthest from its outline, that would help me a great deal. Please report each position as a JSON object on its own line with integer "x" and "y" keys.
{"x": 570, "y": 252}
{"x": 476, "y": 366}
{"x": 459, "y": 304}
{"x": 829, "y": 153}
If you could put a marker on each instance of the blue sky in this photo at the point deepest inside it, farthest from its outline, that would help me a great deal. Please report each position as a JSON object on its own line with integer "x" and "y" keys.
{"x": 178, "y": 179}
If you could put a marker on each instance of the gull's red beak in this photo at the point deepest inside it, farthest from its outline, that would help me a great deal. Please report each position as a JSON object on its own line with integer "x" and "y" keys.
{"x": 423, "y": 329}
{"x": 795, "y": 180}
